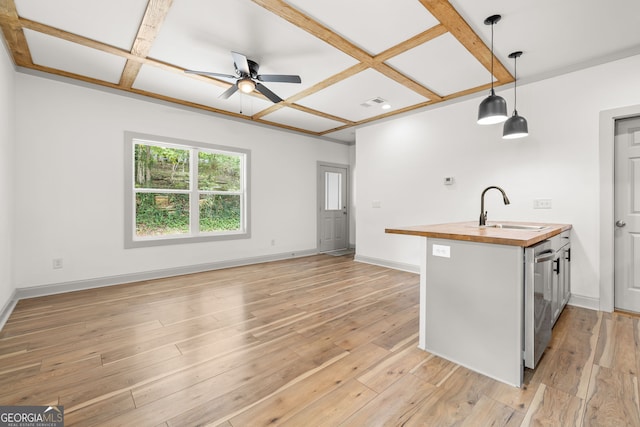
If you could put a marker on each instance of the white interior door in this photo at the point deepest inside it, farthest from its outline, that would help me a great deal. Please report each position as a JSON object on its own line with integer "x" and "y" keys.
{"x": 627, "y": 214}
{"x": 333, "y": 216}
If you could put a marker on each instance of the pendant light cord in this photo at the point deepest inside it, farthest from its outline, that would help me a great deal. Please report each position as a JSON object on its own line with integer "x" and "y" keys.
{"x": 515, "y": 85}
{"x": 492, "y": 57}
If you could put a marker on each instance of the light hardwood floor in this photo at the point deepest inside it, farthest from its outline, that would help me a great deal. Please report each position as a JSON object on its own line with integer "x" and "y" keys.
{"x": 316, "y": 341}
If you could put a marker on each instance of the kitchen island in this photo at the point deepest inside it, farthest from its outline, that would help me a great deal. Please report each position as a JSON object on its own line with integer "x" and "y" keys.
{"x": 472, "y": 297}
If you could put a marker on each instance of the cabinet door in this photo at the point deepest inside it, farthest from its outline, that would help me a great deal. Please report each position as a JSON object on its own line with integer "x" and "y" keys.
{"x": 566, "y": 276}
{"x": 556, "y": 288}
{"x": 561, "y": 282}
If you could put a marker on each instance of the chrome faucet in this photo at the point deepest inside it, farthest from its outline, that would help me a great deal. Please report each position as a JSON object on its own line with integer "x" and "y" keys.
{"x": 483, "y": 213}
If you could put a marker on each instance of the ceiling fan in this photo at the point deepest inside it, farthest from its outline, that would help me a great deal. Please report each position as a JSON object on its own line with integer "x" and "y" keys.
{"x": 246, "y": 76}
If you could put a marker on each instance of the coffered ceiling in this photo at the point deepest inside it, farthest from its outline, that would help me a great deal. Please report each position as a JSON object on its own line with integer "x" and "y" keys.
{"x": 353, "y": 56}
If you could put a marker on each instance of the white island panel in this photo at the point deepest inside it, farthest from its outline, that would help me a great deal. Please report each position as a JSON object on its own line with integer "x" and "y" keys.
{"x": 473, "y": 306}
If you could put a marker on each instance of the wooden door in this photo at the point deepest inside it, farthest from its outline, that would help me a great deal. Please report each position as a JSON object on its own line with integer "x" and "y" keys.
{"x": 627, "y": 215}
{"x": 333, "y": 216}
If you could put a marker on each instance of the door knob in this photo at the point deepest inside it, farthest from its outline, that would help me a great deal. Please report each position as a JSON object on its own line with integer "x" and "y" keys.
{"x": 620, "y": 223}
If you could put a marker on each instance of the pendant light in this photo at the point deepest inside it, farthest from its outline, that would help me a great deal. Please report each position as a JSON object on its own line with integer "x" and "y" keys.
{"x": 493, "y": 109}
{"x": 515, "y": 126}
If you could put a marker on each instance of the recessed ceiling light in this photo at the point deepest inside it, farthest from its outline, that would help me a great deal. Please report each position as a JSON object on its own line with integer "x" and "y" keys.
{"x": 386, "y": 106}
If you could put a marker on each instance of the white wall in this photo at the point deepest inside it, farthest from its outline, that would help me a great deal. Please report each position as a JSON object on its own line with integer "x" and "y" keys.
{"x": 69, "y": 178}
{"x": 7, "y": 136}
{"x": 402, "y": 164}
{"x": 352, "y": 196}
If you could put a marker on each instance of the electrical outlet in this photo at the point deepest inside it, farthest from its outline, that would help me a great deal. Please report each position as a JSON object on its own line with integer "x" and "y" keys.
{"x": 57, "y": 263}
{"x": 442, "y": 251}
{"x": 542, "y": 204}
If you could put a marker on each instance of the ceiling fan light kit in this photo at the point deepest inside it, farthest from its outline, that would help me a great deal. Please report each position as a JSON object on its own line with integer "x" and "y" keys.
{"x": 493, "y": 109}
{"x": 516, "y": 126}
{"x": 246, "y": 85}
{"x": 246, "y": 76}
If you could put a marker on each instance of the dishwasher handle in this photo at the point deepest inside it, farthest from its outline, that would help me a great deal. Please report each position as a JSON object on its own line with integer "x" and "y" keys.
{"x": 545, "y": 256}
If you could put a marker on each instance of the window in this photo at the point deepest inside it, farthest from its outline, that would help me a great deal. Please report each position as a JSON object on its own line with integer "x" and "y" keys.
{"x": 182, "y": 191}
{"x": 333, "y": 191}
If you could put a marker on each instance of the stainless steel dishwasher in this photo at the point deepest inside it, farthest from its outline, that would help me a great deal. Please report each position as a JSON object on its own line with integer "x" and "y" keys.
{"x": 538, "y": 272}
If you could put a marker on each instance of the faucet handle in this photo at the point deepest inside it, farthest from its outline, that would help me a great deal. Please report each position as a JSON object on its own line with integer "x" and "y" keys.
{"x": 483, "y": 218}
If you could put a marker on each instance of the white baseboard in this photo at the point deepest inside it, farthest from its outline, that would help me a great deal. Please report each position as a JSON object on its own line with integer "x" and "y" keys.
{"x": 584, "y": 302}
{"x": 7, "y": 309}
{"x": 79, "y": 285}
{"x": 386, "y": 263}
{"x": 56, "y": 288}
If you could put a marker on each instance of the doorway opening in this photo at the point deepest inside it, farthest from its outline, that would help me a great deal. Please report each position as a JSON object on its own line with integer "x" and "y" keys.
{"x": 607, "y": 202}
{"x": 627, "y": 214}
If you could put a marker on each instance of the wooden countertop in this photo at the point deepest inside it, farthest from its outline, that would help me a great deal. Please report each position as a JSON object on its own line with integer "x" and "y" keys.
{"x": 470, "y": 231}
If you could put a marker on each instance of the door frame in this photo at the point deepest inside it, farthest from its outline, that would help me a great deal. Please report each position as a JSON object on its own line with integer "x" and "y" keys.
{"x": 607, "y": 213}
{"x": 320, "y": 198}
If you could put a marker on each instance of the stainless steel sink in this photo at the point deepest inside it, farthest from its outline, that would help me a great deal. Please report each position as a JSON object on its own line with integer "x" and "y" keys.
{"x": 516, "y": 227}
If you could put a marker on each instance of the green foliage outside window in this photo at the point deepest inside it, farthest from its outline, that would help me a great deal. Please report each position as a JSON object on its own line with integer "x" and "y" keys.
{"x": 160, "y": 214}
{"x": 218, "y": 172}
{"x": 166, "y": 213}
{"x": 219, "y": 212}
{"x": 161, "y": 168}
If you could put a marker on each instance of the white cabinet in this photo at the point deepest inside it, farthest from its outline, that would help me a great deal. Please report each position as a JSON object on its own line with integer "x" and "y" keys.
{"x": 561, "y": 283}
{"x": 566, "y": 274}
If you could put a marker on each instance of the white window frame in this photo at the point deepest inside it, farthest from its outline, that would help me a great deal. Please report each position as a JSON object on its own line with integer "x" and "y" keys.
{"x": 194, "y": 235}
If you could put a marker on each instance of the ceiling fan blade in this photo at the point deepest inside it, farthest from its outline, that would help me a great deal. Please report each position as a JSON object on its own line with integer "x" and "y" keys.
{"x": 281, "y": 78}
{"x": 241, "y": 63}
{"x": 209, "y": 74}
{"x": 266, "y": 92}
{"x": 227, "y": 93}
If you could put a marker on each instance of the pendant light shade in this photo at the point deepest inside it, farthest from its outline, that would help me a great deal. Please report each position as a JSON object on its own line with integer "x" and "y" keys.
{"x": 493, "y": 109}
{"x": 516, "y": 126}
